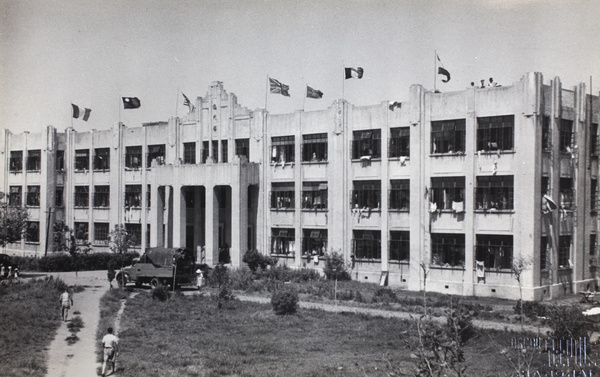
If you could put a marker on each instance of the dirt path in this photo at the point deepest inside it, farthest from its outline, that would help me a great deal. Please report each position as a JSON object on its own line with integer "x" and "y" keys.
{"x": 79, "y": 359}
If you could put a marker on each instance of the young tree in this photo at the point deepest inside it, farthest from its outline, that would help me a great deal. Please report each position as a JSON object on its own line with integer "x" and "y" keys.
{"x": 120, "y": 242}
{"x": 13, "y": 221}
{"x": 61, "y": 232}
{"x": 518, "y": 266}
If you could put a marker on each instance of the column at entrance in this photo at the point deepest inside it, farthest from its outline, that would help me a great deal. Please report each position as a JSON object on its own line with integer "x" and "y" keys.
{"x": 157, "y": 203}
{"x": 239, "y": 222}
{"x": 212, "y": 227}
{"x": 179, "y": 217}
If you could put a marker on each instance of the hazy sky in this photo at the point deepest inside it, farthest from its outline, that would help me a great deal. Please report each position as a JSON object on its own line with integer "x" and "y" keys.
{"x": 57, "y": 52}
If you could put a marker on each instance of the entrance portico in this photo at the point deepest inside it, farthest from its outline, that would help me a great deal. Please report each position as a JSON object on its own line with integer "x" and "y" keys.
{"x": 211, "y": 201}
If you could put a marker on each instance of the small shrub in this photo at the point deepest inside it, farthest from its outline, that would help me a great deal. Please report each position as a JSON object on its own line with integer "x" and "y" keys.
{"x": 254, "y": 260}
{"x": 161, "y": 293}
{"x": 531, "y": 309}
{"x": 385, "y": 295}
{"x": 241, "y": 279}
{"x": 335, "y": 267}
{"x": 284, "y": 302}
{"x": 568, "y": 322}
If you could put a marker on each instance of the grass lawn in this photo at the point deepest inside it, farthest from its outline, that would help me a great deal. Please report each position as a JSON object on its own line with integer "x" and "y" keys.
{"x": 30, "y": 318}
{"x": 189, "y": 336}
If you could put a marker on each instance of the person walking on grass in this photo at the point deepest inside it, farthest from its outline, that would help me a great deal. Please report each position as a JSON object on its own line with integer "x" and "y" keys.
{"x": 66, "y": 301}
{"x": 110, "y": 343}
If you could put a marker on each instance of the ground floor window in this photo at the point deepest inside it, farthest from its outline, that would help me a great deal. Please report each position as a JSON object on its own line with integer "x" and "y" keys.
{"x": 447, "y": 249}
{"x": 495, "y": 251}
{"x": 399, "y": 246}
{"x": 135, "y": 233}
{"x": 101, "y": 231}
{"x": 564, "y": 251}
{"x": 283, "y": 241}
{"x": 32, "y": 231}
{"x": 314, "y": 242}
{"x": 366, "y": 244}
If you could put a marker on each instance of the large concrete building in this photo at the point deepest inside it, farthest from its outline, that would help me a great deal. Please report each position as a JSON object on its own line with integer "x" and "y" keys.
{"x": 447, "y": 187}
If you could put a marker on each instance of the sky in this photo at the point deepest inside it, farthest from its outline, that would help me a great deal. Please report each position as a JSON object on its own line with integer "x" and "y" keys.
{"x": 92, "y": 53}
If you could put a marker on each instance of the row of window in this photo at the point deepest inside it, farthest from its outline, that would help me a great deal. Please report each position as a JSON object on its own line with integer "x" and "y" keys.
{"x": 447, "y": 250}
{"x": 100, "y": 197}
{"x": 81, "y": 230}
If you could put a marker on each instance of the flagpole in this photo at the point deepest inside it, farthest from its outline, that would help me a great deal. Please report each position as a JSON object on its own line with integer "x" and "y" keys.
{"x": 266, "y": 91}
{"x": 120, "y": 99}
{"x": 304, "y": 101}
{"x": 177, "y": 102}
{"x": 434, "y": 69}
{"x": 343, "y": 78}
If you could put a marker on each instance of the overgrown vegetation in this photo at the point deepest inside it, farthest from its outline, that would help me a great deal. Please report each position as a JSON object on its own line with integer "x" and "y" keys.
{"x": 62, "y": 262}
{"x": 284, "y": 302}
{"x": 30, "y": 318}
{"x": 110, "y": 304}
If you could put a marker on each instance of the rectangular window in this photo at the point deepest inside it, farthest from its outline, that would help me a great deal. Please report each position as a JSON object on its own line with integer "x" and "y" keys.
{"x": 148, "y": 197}
{"x": 314, "y": 148}
{"x": 16, "y": 161}
{"x": 204, "y": 151}
{"x": 283, "y": 149}
{"x": 33, "y": 196}
{"x": 314, "y": 195}
{"x": 399, "y": 145}
{"x": 366, "y": 244}
{"x": 82, "y": 160}
{"x": 593, "y": 195}
{"x": 448, "y": 250}
{"x": 592, "y": 244}
{"x": 545, "y": 186}
{"x": 15, "y": 199}
{"x": 566, "y": 193}
{"x": 495, "y": 251}
{"x": 566, "y": 135}
{"x": 314, "y": 242}
{"x": 133, "y": 157}
{"x": 102, "y": 159}
{"x": 147, "y": 235}
{"x": 155, "y": 152}
{"x": 399, "y": 246}
{"x": 224, "y": 151}
{"x": 242, "y": 148}
{"x": 189, "y": 153}
{"x": 564, "y": 251}
{"x": 60, "y": 160}
{"x": 546, "y": 134}
{"x": 594, "y": 140}
{"x": 59, "y": 196}
{"x": 400, "y": 195}
{"x": 32, "y": 232}
{"x": 366, "y": 144}
{"x": 81, "y": 232}
{"x": 215, "y": 150}
{"x": 448, "y": 136}
{"x": 494, "y": 192}
{"x": 282, "y": 195}
{"x": 495, "y": 133}
{"x": 101, "y": 231}
{"x": 135, "y": 234}
{"x": 283, "y": 241}
{"x": 34, "y": 160}
{"x": 544, "y": 252}
{"x": 82, "y": 196}
{"x": 102, "y": 196}
{"x": 133, "y": 196}
{"x": 366, "y": 194}
{"x": 447, "y": 193}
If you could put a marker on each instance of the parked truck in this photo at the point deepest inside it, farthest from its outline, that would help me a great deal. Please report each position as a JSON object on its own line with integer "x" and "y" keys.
{"x": 160, "y": 266}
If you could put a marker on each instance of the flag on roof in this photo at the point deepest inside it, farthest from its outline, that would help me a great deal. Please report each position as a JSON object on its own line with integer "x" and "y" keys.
{"x": 279, "y": 88}
{"x": 131, "y": 103}
{"x": 186, "y": 102}
{"x": 356, "y": 73}
{"x": 313, "y": 93}
{"x": 442, "y": 70}
{"x": 79, "y": 112}
{"x": 394, "y": 104}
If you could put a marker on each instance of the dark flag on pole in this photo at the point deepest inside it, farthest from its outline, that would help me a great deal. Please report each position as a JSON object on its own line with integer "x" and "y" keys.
{"x": 131, "y": 103}
{"x": 84, "y": 113}
{"x": 356, "y": 73}
{"x": 279, "y": 88}
{"x": 442, "y": 70}
{"x": 186, "y": 102}
{"x": 313, "y": 93}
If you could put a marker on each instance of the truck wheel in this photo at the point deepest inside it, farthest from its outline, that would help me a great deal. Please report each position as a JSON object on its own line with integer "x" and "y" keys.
{"x": 122, "y": 280}
{"x": 154, "y": 283}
